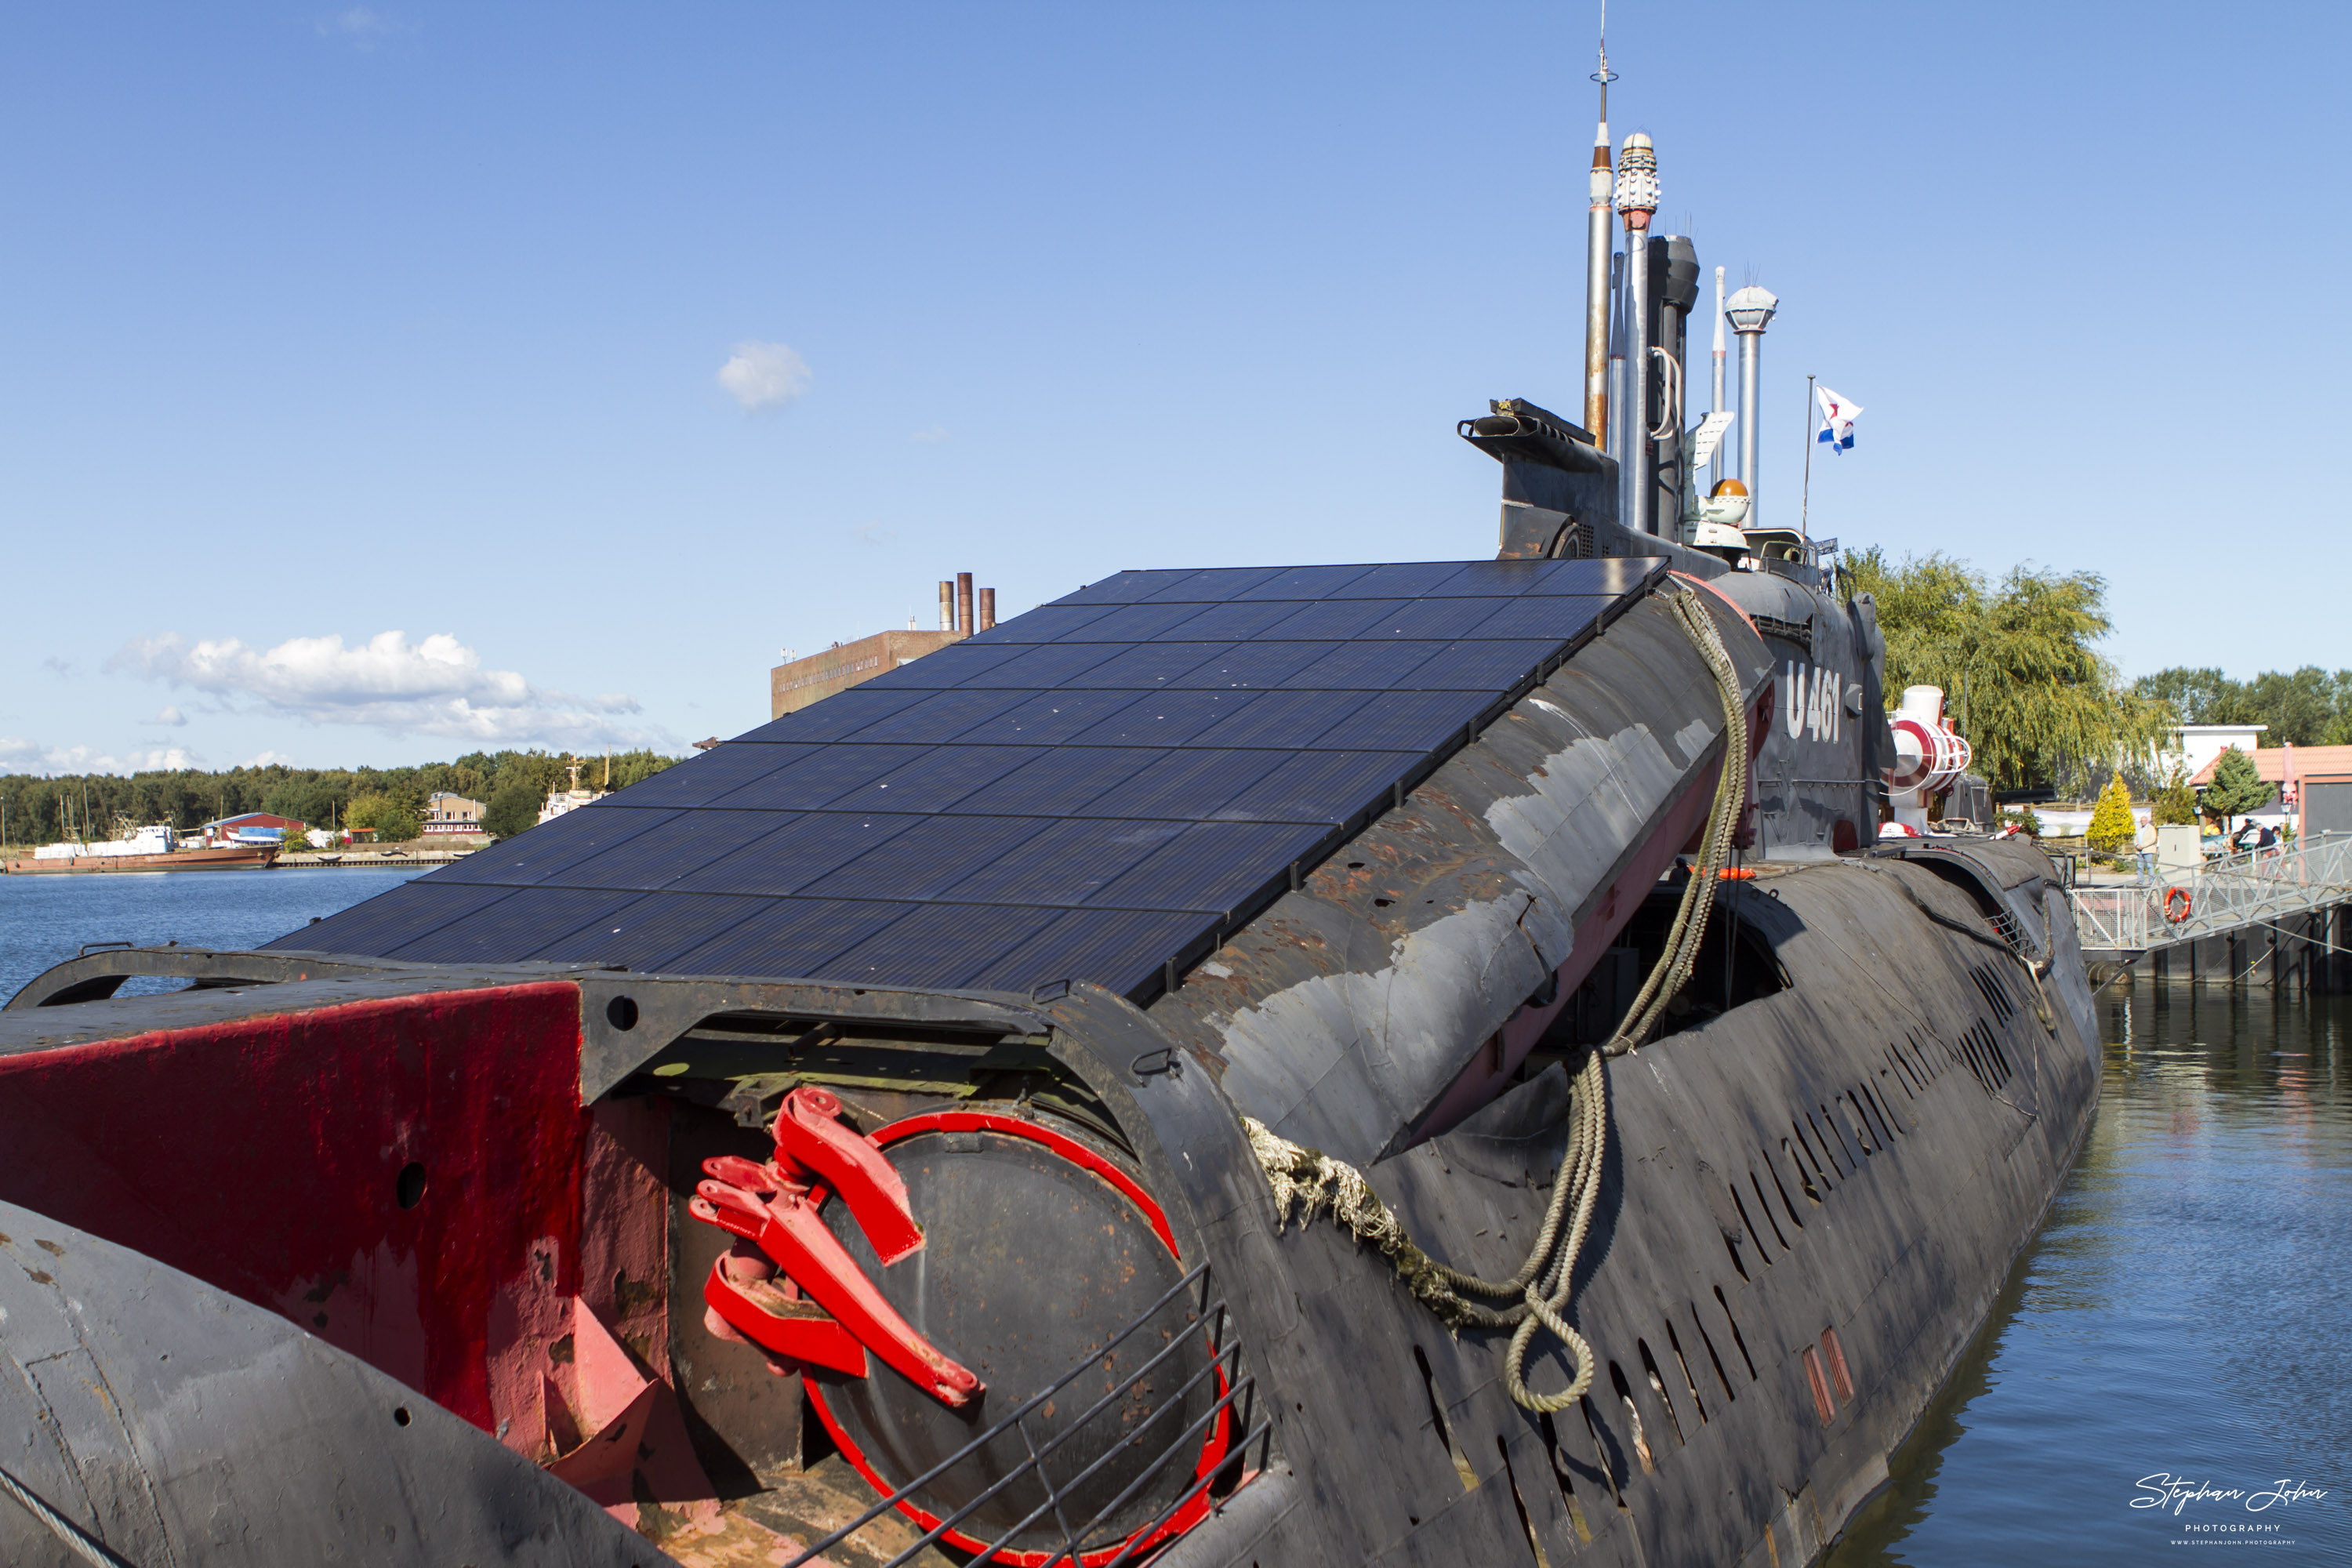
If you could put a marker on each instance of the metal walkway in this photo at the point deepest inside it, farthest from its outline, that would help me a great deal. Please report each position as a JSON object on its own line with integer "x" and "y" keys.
{"x": 2285, "y": 892}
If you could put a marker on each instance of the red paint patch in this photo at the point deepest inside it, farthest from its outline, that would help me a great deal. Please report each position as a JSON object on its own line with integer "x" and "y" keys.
{"x": 265, "y": 1155}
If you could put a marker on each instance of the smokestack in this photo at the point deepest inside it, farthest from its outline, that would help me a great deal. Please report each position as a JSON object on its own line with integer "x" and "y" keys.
{"x": 1637, "y": 199}
{"x": 964, "y": 602}
{"x": 1750, "y": 310}
{"x": 1714, "y": 403}
{"x": 947, "y": 606}
{"x": 987, "y": 608}
{"x": 1596, "y": 271}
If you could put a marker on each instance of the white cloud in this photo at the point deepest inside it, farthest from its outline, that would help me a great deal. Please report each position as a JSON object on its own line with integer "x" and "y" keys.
{"x": 435, "y": 686}
{"x": 63, "y": 668}
{"x": 269, "y": 759}
{"x": 18, "y": 755}
{"x": 930, "y": 434}
{"x": 762, "y": 376}
{"x": 362, "y": 27}
{"x": 876, "y": 533}
{"x": 172, "y": 717}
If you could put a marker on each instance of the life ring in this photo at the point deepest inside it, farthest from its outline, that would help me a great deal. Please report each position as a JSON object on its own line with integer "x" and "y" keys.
{"x": 2176, "y": 915}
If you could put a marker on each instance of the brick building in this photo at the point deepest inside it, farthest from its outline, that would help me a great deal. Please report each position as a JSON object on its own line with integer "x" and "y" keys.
{"x": 796, "y": 683}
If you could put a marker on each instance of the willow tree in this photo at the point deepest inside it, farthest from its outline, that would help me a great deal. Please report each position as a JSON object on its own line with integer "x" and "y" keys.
{"x": 2022, "y": 678}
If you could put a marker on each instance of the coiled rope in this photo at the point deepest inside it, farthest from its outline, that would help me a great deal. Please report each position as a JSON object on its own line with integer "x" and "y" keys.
{"x": 1310, "y": 1181}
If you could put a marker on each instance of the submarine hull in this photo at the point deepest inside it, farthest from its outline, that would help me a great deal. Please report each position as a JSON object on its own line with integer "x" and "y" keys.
{"x": 749, "y": 1251}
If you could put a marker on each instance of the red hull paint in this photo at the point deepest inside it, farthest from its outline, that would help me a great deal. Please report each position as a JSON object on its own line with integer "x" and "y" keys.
{"x": 266, "y": 1155}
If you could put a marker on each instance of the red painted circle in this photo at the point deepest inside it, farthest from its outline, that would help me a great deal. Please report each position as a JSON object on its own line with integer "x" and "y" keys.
{"x": 1213, "y": 1447}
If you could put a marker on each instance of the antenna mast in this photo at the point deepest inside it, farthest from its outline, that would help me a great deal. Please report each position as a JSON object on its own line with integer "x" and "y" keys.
{"x": 1596, "y": 257}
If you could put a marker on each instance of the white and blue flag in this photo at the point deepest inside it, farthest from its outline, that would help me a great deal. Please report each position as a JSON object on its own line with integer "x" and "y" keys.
{"x": 1838, "y": 414}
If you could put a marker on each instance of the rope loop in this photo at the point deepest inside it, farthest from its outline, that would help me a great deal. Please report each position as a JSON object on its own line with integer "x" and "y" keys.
{"x": 1311, "y": 1182}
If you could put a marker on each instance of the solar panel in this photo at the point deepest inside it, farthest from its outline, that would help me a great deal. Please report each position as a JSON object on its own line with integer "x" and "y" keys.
{"x": 823, "y": 721}
{"x": 663, "y": 853}
{"x": 1145, "y": 667}
{"x": 657, "y": 927}
{"x": 513, "y": 926}
{"x": 797, "y": 854}
{"x": 791, "y": 937}
{"x": 1091, "y": 790}
{"x": 938, "y": 945}
{"x": 702, "y": 778}
{"x": 574, "y": 837}
{"x": 935, "y": 778}
{"x": 1367, "y": 667}
{"x": 1061, "y": 780}
{"x": 929, "y": 860}
{"x": 1165, "y": 717}
{"x": 1048, "y": 718}
{"x": 826, "y": 773}
{"x": 1187, "y": 784}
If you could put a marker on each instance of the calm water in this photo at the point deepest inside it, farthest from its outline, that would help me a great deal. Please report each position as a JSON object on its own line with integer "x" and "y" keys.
{"x": 2186, "y": 1313}
{"x": 45, "y": 920}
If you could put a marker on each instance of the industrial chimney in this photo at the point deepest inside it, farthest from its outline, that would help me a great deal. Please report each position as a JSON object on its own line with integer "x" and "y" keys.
{"x": 1750, "y": 310}
{"x": 1637, "y": 200}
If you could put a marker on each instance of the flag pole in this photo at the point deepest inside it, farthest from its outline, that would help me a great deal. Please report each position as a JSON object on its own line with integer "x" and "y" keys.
{"x": 1805, "y": 509}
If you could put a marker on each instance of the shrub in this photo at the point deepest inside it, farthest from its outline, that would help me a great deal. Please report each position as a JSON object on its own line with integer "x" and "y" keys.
{"x": 2112, "y": 827}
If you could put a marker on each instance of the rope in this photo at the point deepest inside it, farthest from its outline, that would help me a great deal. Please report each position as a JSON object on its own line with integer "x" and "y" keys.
{"x": 84, "y": 1545}
{"x": 1312, "y": 1181}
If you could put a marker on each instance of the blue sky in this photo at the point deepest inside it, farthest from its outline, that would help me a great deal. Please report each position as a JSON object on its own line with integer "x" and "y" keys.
{"x": 361, "y": 370}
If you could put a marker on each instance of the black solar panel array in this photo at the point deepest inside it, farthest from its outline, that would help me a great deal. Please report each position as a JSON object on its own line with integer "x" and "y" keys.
{"x": 1091, "y": 790}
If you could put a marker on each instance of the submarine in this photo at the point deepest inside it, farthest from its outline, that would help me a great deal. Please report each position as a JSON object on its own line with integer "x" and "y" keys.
{"x": 1480, "y": 1060}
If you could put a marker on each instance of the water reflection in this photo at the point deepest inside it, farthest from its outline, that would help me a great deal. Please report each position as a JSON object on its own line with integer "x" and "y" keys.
{"x": 2186, "y": 1311}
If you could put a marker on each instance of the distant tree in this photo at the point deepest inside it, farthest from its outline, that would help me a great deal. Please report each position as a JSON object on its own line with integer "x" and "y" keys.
{"x": 2237, "y": 788}
{"x": 512, "y": 808}
{"x": 2021, "y": 677}
{"x": 394, "y": 817}
{"x": 2175, "y": 804}
{"x": 2112, "y": 826}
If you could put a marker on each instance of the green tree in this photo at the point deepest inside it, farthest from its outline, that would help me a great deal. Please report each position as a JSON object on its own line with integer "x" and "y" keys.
{"x": 394, "y": 817}
{"x": 2112, "y": 827}
{"x": 2175, "y": 804}
{"x": 2237, "y": 788}
{"x": 512, "y": 808}
{"x": 2017, "y": 663}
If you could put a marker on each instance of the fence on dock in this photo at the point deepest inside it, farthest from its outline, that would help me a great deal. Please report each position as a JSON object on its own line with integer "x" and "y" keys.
{"x": 2256, "y": 887}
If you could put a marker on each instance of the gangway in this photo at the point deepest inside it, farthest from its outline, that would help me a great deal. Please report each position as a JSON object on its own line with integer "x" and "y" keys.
{"x": 2284, "y": 904}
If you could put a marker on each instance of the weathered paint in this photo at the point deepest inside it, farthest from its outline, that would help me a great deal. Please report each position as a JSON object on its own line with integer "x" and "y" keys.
{"x": 1350, "y": 1016}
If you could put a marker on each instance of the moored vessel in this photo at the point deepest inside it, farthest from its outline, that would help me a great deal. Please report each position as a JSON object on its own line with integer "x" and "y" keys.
{"x": 151, "y": 848}
{"x": 1423, "y": 1062}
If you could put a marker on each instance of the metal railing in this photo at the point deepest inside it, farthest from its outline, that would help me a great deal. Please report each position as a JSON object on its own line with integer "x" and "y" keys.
{"x": 1235, "y": 1406}
{"x": 2253, "y": 886}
